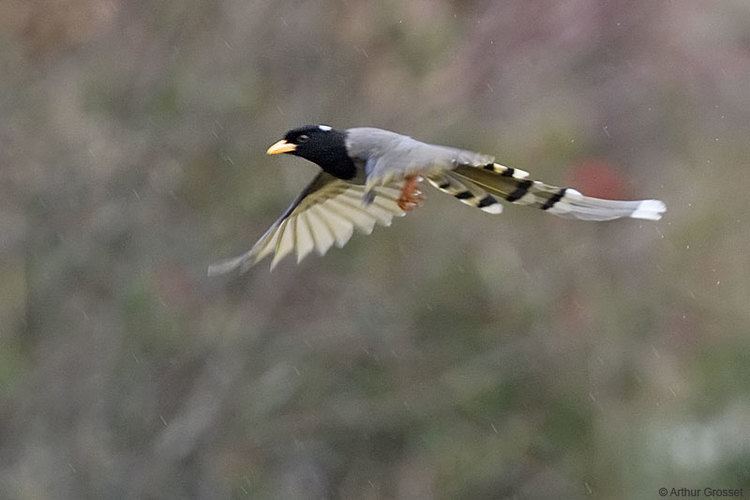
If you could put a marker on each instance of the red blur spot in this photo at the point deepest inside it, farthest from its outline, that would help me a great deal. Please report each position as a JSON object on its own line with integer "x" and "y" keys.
{"x": 597, "y": 178}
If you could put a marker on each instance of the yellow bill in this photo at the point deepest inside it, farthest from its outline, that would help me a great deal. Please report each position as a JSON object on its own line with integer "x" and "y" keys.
{"x": 281, "y": 147}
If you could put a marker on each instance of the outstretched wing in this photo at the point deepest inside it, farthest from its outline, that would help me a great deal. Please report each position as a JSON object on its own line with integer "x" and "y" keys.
{"x": 324, "y": 214}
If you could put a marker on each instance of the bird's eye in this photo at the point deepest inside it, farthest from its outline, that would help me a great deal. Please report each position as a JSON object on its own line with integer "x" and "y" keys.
{"x": 302, "y": 138}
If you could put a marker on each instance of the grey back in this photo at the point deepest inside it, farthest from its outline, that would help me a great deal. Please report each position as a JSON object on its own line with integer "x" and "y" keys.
{"x": 386, "y": 155}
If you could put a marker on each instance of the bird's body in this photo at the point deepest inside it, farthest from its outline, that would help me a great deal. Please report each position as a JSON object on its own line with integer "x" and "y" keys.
{"x": 371, "y": 175}
{"x": 383, "y": 155}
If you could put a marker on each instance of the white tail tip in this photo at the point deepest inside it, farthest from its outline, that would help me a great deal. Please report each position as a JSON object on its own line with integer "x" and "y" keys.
{"x": 649, "y": 210}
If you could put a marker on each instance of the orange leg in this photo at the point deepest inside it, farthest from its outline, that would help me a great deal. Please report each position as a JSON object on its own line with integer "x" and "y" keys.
{"x": 411, "y": 197}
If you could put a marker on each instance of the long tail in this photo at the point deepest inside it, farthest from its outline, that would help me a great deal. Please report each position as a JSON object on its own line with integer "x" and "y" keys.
{"x": 481, "y": 185}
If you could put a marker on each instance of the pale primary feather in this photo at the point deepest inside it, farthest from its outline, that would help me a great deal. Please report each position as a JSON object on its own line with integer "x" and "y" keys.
{"x": 325, "y": 214}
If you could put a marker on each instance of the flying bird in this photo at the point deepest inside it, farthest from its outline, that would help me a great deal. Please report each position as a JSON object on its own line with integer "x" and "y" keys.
{"x": 370, "y": 175}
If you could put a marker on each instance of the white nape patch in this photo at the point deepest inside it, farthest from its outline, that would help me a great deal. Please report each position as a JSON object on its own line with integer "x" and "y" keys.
{"x": 325, "y": 128}
{"x": 649, "y": 210}
{"x": 572, "y": 194}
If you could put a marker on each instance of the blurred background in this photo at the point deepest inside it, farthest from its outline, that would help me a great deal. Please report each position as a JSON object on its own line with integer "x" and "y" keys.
{"x": 453, "y": 355}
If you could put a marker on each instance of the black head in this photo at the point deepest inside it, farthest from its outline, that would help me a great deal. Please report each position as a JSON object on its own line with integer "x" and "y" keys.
{"x": 320, "y": 144}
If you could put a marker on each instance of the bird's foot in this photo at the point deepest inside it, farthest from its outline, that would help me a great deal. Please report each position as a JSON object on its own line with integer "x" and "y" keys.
{"x": 411, "y": 197}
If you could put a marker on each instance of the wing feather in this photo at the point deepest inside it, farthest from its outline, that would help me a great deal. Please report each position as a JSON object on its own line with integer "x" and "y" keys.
{"x": 351, "y": 208}
{"x": 342, "y": 227}
{"x": 285, "y": 243}
{"x": 362, "y": 219}
{"x": 305, "y": 238}
{"x": 326, "y": 213}
{"x": 324, "y": 234}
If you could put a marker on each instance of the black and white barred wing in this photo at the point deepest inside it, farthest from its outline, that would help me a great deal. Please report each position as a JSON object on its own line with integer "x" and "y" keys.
{"x": 484, "y": 186}
{"x": 325, "y": 214}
